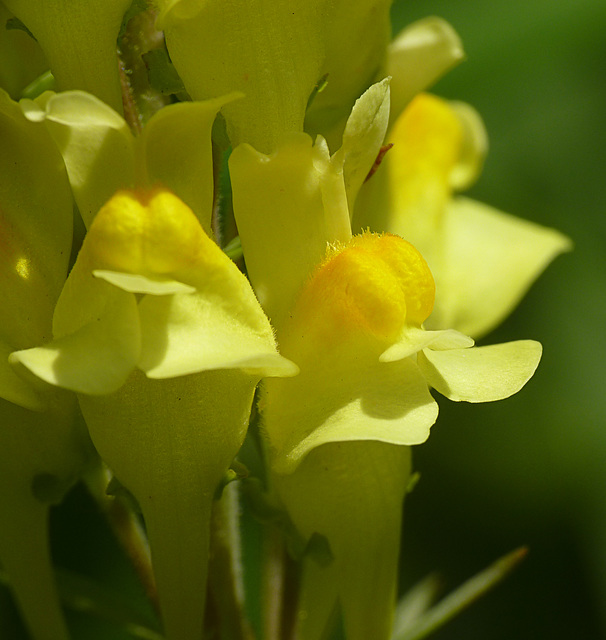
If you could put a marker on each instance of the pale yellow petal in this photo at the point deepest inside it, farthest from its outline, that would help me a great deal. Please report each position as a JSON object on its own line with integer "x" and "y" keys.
{"x": 489, "y": 261}
{"x": 271, "y": 52}
{"x": 79, "y": 38}
{"x": 136, "y": 283}
{"x": 95, "y": 142}
{"x": 36, "y": 215}
{"x": 95, "y": 359}
{"x": 414, "y": 339}
{"x": 189, "y": 333}
{"x": 288, "y": 206}
{"x": 347, "y": 396}
{"x": 474, "y": 146}
{"x": 481, "y": 374}
{"x": 176, "y": 152}
{"x": 418, "y": 56}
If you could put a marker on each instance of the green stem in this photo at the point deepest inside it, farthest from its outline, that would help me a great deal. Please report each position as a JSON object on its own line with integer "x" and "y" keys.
{"x": 226, "y": 586}
{"x": 279, "y": 588}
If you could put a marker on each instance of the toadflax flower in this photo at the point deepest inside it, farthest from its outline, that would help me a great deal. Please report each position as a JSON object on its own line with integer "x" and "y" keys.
{"x": 367, "y": 365}
{"x": 156, "y": 329}
{"x": 352, "y": 319}
{"x": 43, "y": 446}
{"x": 163, "y": 340}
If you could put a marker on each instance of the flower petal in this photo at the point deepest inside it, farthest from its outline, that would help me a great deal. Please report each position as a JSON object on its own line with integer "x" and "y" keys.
{"x": 418, "y": 56}
{"x": 275, "y": 65}
{"x": 95, "y": 359}
{"x": 356, "y": 39}
{"x": 413, "y": 185}
{"x": 176, "y": 152}
{"x": 489, "y": 261}
{"x": 189, "y": 333}
{"x": 288, "y": 207}
{"x": 136, "y": 283}
{"x": 414, "y": 339}
{"x": 348, "y": 396}
{"x": 14, "y": 388}
{"x": 36, "y": 216}
{"x": 481, "y": 374}
{"x": 474, "y": 146}
{"x": 95, "y": 142}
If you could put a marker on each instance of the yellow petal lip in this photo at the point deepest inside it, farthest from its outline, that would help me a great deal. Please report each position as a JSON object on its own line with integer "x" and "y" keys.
{"x": 375, "y": 284}
{"x": 145, "y": 232}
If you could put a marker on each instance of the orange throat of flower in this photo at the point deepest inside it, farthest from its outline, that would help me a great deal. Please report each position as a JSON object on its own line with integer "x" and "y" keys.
{"x": 375, "y": 286}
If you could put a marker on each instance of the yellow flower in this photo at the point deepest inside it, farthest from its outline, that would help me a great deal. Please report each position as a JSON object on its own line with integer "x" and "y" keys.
{"x": 366, "y": 367}
{"x": 163, "y": 339}
{"x": 483, "y": 260}
{"x": 366, "y": 360}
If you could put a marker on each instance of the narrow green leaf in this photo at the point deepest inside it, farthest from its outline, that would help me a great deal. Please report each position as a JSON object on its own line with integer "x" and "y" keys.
{"x": 234, "y": 248}
{"x": 461, "y": 598}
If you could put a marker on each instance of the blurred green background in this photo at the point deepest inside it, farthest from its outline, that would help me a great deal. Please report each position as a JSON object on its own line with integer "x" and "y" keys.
{"x": 530, "y": 470}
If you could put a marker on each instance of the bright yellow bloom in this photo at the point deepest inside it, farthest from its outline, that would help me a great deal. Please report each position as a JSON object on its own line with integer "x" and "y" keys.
{"x": 367, "y": 365}
{"x": 366, "y": 361}
{"x": 164, "y": 341}
{"x": 353, "y": 319}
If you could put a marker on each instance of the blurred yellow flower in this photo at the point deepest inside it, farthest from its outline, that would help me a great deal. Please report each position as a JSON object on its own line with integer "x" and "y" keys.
{"x": 483, "y": 260}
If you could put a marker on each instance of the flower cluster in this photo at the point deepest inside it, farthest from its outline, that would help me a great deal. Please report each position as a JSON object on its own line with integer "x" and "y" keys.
{"x": 300, "y": 131}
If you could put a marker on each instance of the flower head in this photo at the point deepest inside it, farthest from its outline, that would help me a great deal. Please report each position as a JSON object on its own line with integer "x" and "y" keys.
{"x": 163, "y": 339}
{"x": 357, "y": 334}
{"x": 366, "y": 367}
{"x": 483, "y": 260}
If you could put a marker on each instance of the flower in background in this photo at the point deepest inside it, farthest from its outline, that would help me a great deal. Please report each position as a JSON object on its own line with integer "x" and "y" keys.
{"x": 483, "y": 260}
